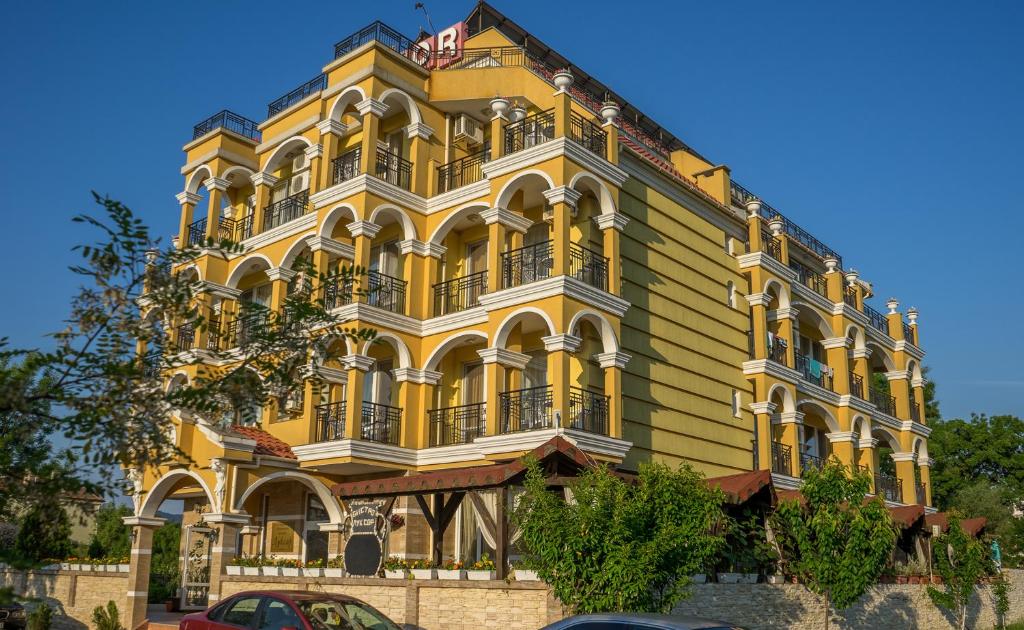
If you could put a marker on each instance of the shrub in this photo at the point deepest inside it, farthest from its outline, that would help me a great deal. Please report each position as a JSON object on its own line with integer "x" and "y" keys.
{"x": 337, "y": 562}
{"x": 40, "y": 618}
{"x": 107, "y": 618}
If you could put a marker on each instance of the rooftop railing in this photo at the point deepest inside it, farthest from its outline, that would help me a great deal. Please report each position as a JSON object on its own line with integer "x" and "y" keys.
{"x": 385, "y": 35}
{"x": 876, "y": 319}
{"x": 771, "y": 245}
{"x": 810, "y": 278}
{"x": 231, "y": 121}
{"x": 314, "y": 85}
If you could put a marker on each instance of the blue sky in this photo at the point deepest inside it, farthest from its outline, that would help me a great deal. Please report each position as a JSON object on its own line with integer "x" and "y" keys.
{"x": 891, "y": 131}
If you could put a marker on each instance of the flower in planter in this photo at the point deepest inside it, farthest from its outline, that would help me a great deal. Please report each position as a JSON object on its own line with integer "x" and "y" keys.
{"x": 394, "y": 563}
{"x": 315, "y": 564}
{"x": 451, "y": 564}
{"x": 337, "y": 562}
{"x": 424, "y": 563}
{"x": 483, "y": 564}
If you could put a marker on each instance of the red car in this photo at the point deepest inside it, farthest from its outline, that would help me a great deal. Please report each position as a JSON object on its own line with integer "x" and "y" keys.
{"x": 288, "y": 610}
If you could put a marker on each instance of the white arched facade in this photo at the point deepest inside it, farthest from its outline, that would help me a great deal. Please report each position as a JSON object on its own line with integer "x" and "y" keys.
{"x": 780, "y": 291}
{"x": 453, "y": 341}
{"x": 252, "y": 262}
{"x": 196, "y": 178}
{"x": 163, "y": 487}
{"x": 588, "y": 181}
{"x": 601, "y": 323}
{"x": 399, "y": 215}
{"x": 406, "y": 102}
{"x": 341, "y": 212}
{"x": 826, "y": 415}
{"x": 402, "y": 350}
{"x": 453, "y": 219}
{"x": 322, "y": 492}
{"x": 788, "y": 403}
{"x": 349, "y": 96}
{"x": 507, "y": 324}
{"x": 513, "y": 185}
{"x": 282, "y": 149}
{"x": 293, "y": 252}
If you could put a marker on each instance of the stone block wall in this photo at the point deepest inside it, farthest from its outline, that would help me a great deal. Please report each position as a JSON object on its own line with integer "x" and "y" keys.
{"x": 72, "y": 594}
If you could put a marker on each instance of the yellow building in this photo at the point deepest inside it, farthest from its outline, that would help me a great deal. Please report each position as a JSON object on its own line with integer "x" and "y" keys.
{"x": 545, "y": 261}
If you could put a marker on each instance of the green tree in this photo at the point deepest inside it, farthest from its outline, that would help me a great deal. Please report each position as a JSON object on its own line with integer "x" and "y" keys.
{"x": 618, "y": 546}
{"x": 41, "y": 617}
{"x": 44, "y": 532}
{"x": 989, "y": 448}
{"x": 982, "y": 498}
{"x": 961, "y": 560}
{"x": 836, "y": 542}
{"x": 111, "y": 536}
{"x": 165, "y": 574}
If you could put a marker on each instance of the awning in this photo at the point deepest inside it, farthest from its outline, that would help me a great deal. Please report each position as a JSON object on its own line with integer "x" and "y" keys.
{"x": 971, "y": 526}
{"x": 741, "y": 487}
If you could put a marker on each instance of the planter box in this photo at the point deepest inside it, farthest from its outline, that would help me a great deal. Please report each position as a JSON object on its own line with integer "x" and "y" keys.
{"x": 424, "y": 574}
{"x": 451, "y": 574}
{"x": 251, "y": 570}
{"x": 290, "y": 571}
{"x": 275, "y": 571}
{"x": 700, "y": 578}
{"x": 122, "y": 568}
{"x": 737, "y": 578}
{"x": 526, "y": 575}
{"x": 776, "y": 579}
{"x": 74, "y": 566}
{"x": 65, "y": 566}
{"x": 394, "y": 575}
{"x": 480, "y": 575}
{"x": 233, "y": 569}
{"x": 334, "y": 573}
{"x": 312, "y": 572}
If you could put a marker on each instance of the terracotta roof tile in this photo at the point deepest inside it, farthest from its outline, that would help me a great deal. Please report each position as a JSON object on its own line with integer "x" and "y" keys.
{"x": 266, "y": 444}
{"x": 742, "y": 486}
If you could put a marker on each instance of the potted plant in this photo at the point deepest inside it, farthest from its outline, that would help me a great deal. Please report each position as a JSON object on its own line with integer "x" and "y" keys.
{"x": 482, "y": 569}
{"x": 234, "y": 566}
{"x": 289, "y": 567}
{"x": 123, "y": 564}
{"x": 251, "y": 565}
{"x": 65, "y": 565}
{"x": 313, "y": 568}
{"x": 270, "y": 567}
{"x": 335, "y": 567}
{"x": 423, "y": 569}
{"x": 394, "y": 568}
{"x": 523, "y": 573}
{"x": 452, "y": 569}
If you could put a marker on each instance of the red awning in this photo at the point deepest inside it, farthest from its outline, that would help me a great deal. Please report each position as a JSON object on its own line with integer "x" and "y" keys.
{"x": 740, "y": 487}
{"x": 971, "y": 526}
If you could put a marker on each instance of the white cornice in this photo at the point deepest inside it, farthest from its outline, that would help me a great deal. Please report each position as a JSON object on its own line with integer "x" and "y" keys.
{"x": 314, "y": 151}
{"x": 504, "y": 357}
{"x": 187, "y": 197}
{"x": 612, "y": 359}
{"x": 557, "y": 285}
{"x": 331, "y": 246}
{"x": 280, "y": 273}
{"x": 791, "y": 417}
{"x": 415, "y": 375}
{"x": 371, "y": 106}
{"x": 614, "y": 220}
{"x": 904, "y": 457}
{"x": 783, "y": 312}
{"x": 812, "y": 297}
{"x": 761, "y": 259}
{"x": 562, "y": 342}
{"x": 771, "y": 368}
{"x": 356, "y": 449}
{"x": 510, "y": 220}
{"x": 897, "y": 375}
{"x": 909, "y": 348}
{"x": 395, "y": 194}
{"x": 332, "y": 375}
{"x": 331, "y": 126}
{"x": 562, "y": 194}
{"x": 458, "y": 196}
{"x": 419, "y": 130}
{"x": 363, "y": 228}
{"x": 260, "y": 178}
{"x": 559, "y": 147}
{"x": 844, "y": 309}
{"x": 216, "y": 183}
{"x": 818, "y": 392}
{"x": 866, "y": 443}
{"x": 918, "y": 382}
{"x": 359, "y": 362}
{"x": 763, "y": 407}
{"x": 842, "y": 436}
{"x": 302, "y": 224}
{"x": 759, "y": 299}
{"x": 143, "y": 521}
{"x": 375, "y": 316}
{"x": 835, "y": 342}
{"x": 413, "y": 246}
{"x": 453, "y": 321}
{"x": 916, "y": 428}
{"x": 219, "y": 290}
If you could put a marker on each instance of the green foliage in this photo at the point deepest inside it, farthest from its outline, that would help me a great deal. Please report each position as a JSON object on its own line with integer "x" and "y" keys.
{"x": 106, "y": 618}
{"x": 618, "y": 546}
{"x": 1001, "y": 592}
{"x": 165, "y": 574}
{"x": 837, "y": 543}
{"x": 747, "y": 549}
{"x": 961, "y": 560}
{"x": 996, "y": 504}
{"x": 111, "y": 536}
{"x": 44, "y": 532}
{"x": 41, "y": 617}
{"x": 982, "y": 448}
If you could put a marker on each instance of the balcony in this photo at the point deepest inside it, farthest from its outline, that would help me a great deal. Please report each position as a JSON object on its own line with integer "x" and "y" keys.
{"x": 588, "y": 411}
{"x": 316, "y": 84}
{"x": 459, "y": 294}
{"x": 238, "y": 331}
{"x": 381, "y": 423}
{"x": 525, "y": 409}
{"x": 777, "y": 350}
{"x": 337, "y": 291}
{"x": 814, "y": 372}
{"x": 810, "y": 462}
{"x": 740, "y": 196}
{"x": 921, "y": 494}
{"x": 888, "y": 487}
{"x": 908, "y": 332}
{"x": 884, "y": 401}
{"x": 393, "y": 169}
{"x": 530, "y": 131}
{"x": 330, "y": 422}
{"x": 345, "y": 166}
{"x": 876, "y": 319}
{"x": 385, "y": 292}
{"x": 457, "y": 425}
{"x": 588, "y": 135}
{"x": 227, "y": 229}
{"x": 915, "y": 411}
{"x": 286, "y": 210}
{"x": 857, "y": 385}
{"x": 771, "y": 245}
{"x": 231, "y": 121}
{"x": 810, "y": 278}
{"x": 461, "y": 172}
{"x": 588, "y": 266}
{"x": 850, "y": 297}
{"x": 526, "y": 264}
{"x": 782, "y": 459}
{"x": 185, "y": 337}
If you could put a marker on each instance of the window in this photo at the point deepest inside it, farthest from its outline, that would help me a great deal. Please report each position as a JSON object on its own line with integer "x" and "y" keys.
{"x": 277, "y": 615}
{"x": 337, "y": 615}
{"x": 241, "y": 611}
{"x": 735, "y": 403}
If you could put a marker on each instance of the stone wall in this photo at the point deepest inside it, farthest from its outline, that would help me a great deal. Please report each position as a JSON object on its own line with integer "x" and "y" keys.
{"x": 72, "y": 594}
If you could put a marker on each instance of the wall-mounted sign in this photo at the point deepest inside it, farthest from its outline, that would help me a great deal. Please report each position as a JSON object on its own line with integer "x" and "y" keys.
{"x": 282, "y": 538}
{"x": 364, "y": 550}
{"x": 445, "y": 47}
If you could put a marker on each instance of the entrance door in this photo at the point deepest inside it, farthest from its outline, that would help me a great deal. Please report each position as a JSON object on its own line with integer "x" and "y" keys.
{"x": 195, "y": 578}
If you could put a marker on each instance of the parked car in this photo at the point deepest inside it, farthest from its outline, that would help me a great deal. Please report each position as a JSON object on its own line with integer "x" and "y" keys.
{"x": 288, "y": 610}
{"x": 12, "y": 616}
{"x": 636, "y": 621}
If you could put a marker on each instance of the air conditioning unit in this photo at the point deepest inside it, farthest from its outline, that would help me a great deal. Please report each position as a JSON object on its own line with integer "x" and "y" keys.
{"x": 469, "y": 130}
{"x": 298, "y": 183}
{"x": 299, "y": 162}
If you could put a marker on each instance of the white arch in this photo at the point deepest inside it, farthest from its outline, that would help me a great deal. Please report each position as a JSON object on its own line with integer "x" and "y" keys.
{"x": 861, "y": 426}
{"x": 350, "y": 346}
{"x": 914, "y": 369}
{"x": 158, "y": 492}
{"x": 511, "y": 187}
{"x": 406, "y": 101}
{"x": 248, "y": 172}
{"x": 293, "y": 252}
{"x": 194, "y": 268}
{"x": 197, "y": 177}
{"x": 245, "y": 266}
{"x": 888, "y": 436}
{"x": 451, "y": 342}
{"x": 830, "y": 420}
{"x": 788, "y": 404}
{"x": 321, "y": 490}
{"x": 780, "y": 290}
{"x": 349, "y": 96}
{"x": 858, "y": 336}
{"x": 404, "y": 356}
{"x": 179, "y": 377}
{"x": 921, "y": 448}
{"x": 335, "y": 214}
{"x": 879, "y": 351}
{"x": 283, "y": 148}
{"x": 823, "y": 326}
{"x": 513, "y": 318}
{"x": 604, "y": 195}
{"x": 601, "y": 323}
{"x": 450, "y": 221}
{"x": 408, "y": 227}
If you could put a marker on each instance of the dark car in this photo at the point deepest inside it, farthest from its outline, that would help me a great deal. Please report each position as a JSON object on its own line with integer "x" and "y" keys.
{"x": 12, "y": 616}
{"x": 635, "y": 621}
{"x": 288, "y": 610}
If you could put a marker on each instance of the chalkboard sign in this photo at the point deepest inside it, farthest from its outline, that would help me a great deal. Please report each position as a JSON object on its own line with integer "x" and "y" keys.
{"x": 364, "y": 550}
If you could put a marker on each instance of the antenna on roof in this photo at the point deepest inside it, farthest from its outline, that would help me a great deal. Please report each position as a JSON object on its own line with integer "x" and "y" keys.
{"x": 421, "y": 7}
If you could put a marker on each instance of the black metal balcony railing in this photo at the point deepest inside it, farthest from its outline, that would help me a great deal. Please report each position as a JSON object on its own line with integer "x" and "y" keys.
{"x": 151, "y": 363}
{"x": 242, "y": 330}
{"x": 588, "y": 411}
{"x": 810, "y": 462}
{"x": 197, "y": 233}
{"x": 345, "y": 166}
{"x": 850, "y": 296}
{"x": 185, "y": 337}
{"x": 525, "y": 409}
{"x": 288, "y": 209}
{"x": 394, "y": 169}
{"x": 457, "y": 425}
{"x": 885, "y": 402}
{"x": 782, "y": 459}
{"x": 888, "y": 487}
{"x": 857, "y": 385}
{"x": 526, "y": 264}
{"x": 908, "y": 332}
{"x": 385, "y": 35}
{"x": 337, "y": 291}
{"x": 814, "y": 371}
{"x": 588, "y": 135}
{"x": 227, "y": 229}
{"x": 876, "y": 319}
{"x": 330, "y": 421}
{"x": 316, "y": 84}
{"x": 458, "y": 294}
{"x": 588, "y": 266}
{"x": 922, "y": 495}
{"x": 232, "y": 122}
{"x": 810, "y": 278}
{"x": 381, "y": 423}
{"x": 915, "y": 411}
{"x": 460, "y": 172}
{"x": 386, "y": 292}
{"x": 530, "y": 131}
{"x": 777, "y": 350}
{"x": 771, "y": 245}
